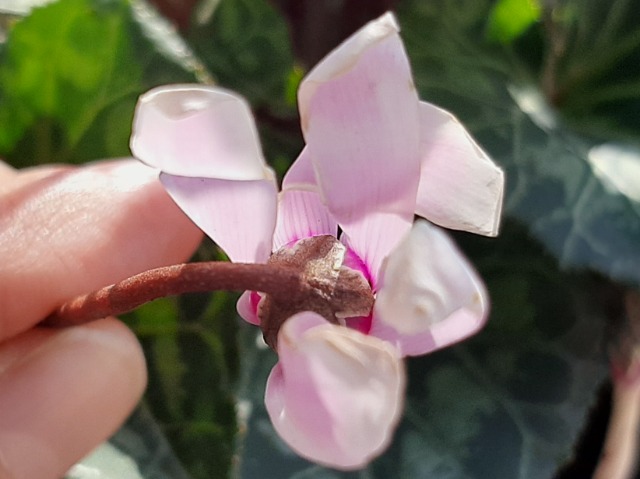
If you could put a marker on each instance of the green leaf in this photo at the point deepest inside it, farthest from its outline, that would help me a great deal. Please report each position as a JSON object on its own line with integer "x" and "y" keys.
{"x": 551, "y": 183}
{"x": 592, "y": 66}
{"x": 511, "y": 18}
{"x": 245, "y": 46}
{"x": 190, "y": 348}
{"x": 70, "y": 75}
{"x": 137, "y": 451}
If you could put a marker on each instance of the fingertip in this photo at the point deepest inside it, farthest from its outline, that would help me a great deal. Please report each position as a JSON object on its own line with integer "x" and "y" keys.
{"x": 69, "y": 391}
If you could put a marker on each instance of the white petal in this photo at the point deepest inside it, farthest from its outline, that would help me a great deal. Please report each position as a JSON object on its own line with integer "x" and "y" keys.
{"x": 300, "y": 175}
{"x": 239, "y": 216}
{"x": 197, "y": 131}
{"x": 348, "y": 53}
{"x": 460, "y": 187}
{"x": 336, "y": 395}
{"x": 360, "y": 120}
{"x": 373, "y": 238}
{"x": 430, "y": 296}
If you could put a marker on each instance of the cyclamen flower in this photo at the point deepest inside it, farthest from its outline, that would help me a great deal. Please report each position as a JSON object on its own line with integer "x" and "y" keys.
{"x": 375, "y": 155}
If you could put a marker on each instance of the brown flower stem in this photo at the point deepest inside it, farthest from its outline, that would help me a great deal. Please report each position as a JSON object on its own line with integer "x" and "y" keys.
{"x": 277, "y": 280}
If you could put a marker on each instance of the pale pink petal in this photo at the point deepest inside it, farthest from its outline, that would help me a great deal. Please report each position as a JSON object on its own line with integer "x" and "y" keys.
{"x": 198, "y": 131}
{"x": 373, "y": 238}
{"x": 301, "y": 214}
{"x": 430, "y": 296}
{"x": 239, "y": 216}
{"x": 247, "y": 307}
{"x": 336, "y": 395}
{"x": 300, "y": 175}
{"x": 460, "y": 187}
{"x": 360, "y": 120}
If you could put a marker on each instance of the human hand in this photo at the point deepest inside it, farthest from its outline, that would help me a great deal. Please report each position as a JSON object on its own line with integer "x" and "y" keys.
{"x": 65, "y": 231}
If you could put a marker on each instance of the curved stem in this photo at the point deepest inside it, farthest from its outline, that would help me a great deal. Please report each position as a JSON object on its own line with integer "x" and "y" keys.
{"x": 619, "y": 455}
{"x": 276, "y": 280}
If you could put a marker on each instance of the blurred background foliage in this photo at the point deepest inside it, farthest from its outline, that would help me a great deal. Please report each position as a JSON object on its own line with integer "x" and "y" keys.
{"x": 550, "y": 88}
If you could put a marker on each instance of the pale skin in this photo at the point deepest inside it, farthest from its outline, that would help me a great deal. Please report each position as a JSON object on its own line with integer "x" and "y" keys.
{"x": 63, "y": 232}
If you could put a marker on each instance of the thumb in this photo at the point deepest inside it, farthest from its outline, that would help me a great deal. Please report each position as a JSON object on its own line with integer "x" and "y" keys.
{"x": 70, "y": 231}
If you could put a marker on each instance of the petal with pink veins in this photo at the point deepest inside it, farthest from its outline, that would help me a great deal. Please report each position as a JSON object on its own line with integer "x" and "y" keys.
{"x": 336, "y": 395}
{"x": 239, "y": 216}
{"x": 360, "y": 120}
{"x": 197, "y": 131}
{"x": 460, "y": 187}
{"x": 430, "y": 296}
{"x": 301, "y": 214}
{"x": 373, "y": 238}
